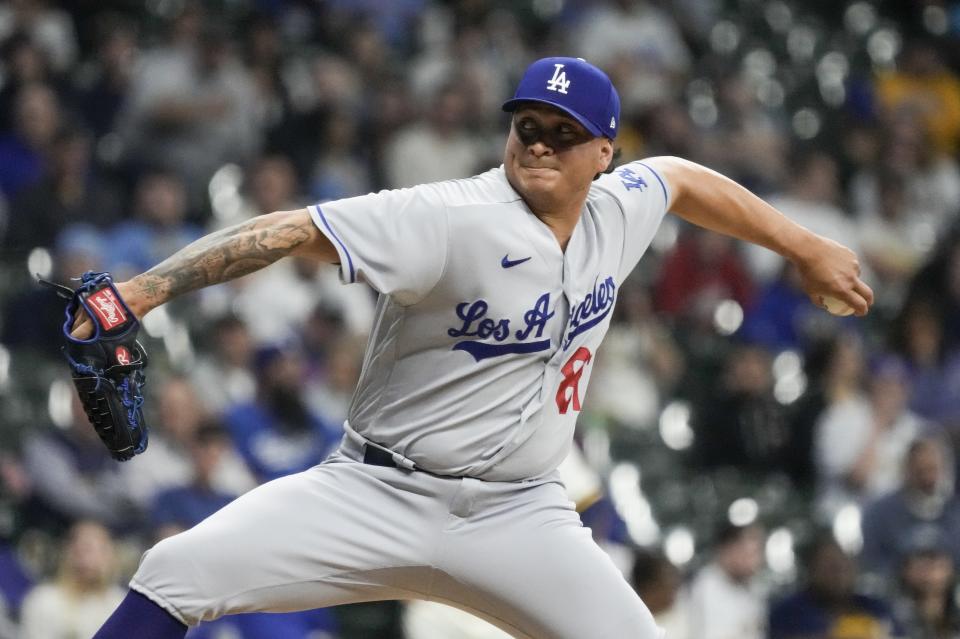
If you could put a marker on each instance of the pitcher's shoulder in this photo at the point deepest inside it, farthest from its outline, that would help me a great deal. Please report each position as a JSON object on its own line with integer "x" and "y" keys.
{"x": 629, "y": 180}
{"x": 490, "y": 187}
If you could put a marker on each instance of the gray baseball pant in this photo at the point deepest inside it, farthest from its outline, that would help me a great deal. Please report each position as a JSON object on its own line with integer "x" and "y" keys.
{"x": 513, "y": 553}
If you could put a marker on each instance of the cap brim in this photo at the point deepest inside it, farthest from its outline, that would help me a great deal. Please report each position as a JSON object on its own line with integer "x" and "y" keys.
{"x": 512, "y": 105}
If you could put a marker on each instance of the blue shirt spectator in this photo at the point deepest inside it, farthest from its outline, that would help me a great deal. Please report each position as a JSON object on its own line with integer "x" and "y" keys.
{"x": 181, "y": 507}
{"x": 828, "y": 607}
{"x": 277, "y": 434}
{"x": 924, "y": 505}
{"x": 159, "y": 229}
{"x": 37, "y": 117}
{"x": 802, "y": 615}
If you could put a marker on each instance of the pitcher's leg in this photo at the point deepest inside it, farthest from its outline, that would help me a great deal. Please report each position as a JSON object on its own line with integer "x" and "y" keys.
{"x": 334, "y": 534}
{"x": 530, "y": 565}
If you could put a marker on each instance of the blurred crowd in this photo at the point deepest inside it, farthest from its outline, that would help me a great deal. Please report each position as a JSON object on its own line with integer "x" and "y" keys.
{"x": 769, "y": 470}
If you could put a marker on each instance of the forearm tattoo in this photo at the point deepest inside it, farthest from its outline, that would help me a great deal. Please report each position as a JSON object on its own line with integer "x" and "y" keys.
{"x": 220, "y": 257}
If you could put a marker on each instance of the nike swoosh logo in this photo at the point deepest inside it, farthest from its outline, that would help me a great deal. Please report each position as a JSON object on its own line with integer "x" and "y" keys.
{"x": 506, "y": 262}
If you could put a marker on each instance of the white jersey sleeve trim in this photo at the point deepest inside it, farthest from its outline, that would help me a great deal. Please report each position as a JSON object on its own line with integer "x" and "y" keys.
{"x": 347, "y": 272}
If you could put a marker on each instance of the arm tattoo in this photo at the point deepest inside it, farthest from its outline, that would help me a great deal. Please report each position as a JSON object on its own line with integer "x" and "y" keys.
{"x": 220, "y": 257}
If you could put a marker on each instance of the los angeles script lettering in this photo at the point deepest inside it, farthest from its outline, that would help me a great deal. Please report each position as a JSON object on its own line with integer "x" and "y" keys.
{"x": 477, "y": 324}
{"x": 591, "y": 311}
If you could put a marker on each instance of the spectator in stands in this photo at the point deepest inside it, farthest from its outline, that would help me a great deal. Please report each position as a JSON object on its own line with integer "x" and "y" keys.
{"x": 443, "y": 149}
{"x": 181, "y": 507}
{"x": 160, "y": 226}
{"x": 742, "y": 425}
{"x": 639, "y": 365}
{"x": 726, "y": 599}
{"x": 296, "y": 284}
{"x": 68, "y": 192}
{"x": 177, "y": 417}
{"x": 638, "y": 36}
{"x": 918, "y": 337}
{"x": 861, "y": 441}
{"x": 783, "y": 318}
{"x": 24, "y": 63}
{"x": 895, "y": 240}
{"x": 299, "y": 283}
{"x": 273, "y": 186}
{"x": 833, "y": 367}
{"x": 103, "y": 84}
{"x": 811, "y": 199}
{"x": 658, "y": 582}
{"x": 341, "y": 170}
{"x": 49, "y": 27}
{"x": 192, "y": 106}
{"x": 270, "y": 185}
{"x": 74, "y": 478}
{"x": 32, "y": 317}
{"x": 321, "y": 85}
{"x": 277, "y": 434}
{"x": 937, "y": 286}
{"x": 926, "y": 607}
{"x": 276, "y": 65}
{"x": 321, "y": 333}
{"x": 745, "y": 141}
{"x": 703, "y": 269}
{"x": 84, "y": 593}
{"x": 924, "y": 87}
{"x": 225, "y": 370}
{"x": 24, "y": 151}
{"x": 923, "y": 505}
{"x": 904, "y": 202}
{"x": 828, "y": 606}
{"x": 330, "y": 388}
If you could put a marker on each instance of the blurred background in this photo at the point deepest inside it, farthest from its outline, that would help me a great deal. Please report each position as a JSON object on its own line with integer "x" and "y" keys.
{"x": 767, "y": 469}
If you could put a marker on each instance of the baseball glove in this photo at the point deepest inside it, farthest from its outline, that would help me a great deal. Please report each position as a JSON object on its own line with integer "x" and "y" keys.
{"x": 108, "y": 367}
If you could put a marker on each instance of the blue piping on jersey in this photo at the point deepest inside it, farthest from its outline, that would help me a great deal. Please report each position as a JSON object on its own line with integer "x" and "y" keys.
{"x": 666, "y": 200}
{"x": 353, "y": 277}
{"x": 482, "y": 350}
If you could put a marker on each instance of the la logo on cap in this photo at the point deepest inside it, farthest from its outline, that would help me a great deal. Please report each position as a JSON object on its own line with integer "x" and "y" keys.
{"x": 559, "y": 80}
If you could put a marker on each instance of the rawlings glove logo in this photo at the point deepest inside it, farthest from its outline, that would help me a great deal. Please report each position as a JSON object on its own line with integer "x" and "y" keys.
{"x": 122, "y": 355}
{"x": 107, "y": 309}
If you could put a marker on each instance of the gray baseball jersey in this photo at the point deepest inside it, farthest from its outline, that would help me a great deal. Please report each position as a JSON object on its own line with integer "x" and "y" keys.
{"x": 476, "y": 369}
{"x": 485, "y": 331}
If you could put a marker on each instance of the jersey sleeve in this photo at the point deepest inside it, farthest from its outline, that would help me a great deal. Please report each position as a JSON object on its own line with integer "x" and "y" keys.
{"x": 642, "y": 194}
{"x": 396, "y": 241}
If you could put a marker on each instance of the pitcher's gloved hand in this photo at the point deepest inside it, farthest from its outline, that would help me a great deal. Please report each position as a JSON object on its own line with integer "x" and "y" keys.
{"x": 108, "y": 366}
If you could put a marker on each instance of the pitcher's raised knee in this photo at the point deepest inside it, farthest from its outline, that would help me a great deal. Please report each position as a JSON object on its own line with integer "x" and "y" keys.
{"x": 179, "y": 576}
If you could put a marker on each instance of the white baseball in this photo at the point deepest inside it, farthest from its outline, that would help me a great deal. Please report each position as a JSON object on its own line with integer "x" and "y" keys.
{"x": 835, "y": 306}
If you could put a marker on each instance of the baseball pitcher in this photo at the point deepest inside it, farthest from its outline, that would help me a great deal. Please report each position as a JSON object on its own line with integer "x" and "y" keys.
{"x": 495, "y": 293}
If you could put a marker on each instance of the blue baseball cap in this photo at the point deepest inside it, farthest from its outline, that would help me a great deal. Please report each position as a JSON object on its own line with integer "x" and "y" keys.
{"x": 574, "y": 86}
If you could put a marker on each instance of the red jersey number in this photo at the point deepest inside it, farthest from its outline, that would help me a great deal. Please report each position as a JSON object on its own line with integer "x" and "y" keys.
{"x": 569, "y": 391}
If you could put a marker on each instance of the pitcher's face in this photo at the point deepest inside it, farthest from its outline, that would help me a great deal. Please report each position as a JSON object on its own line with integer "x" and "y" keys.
{"x": 551, "y": 156}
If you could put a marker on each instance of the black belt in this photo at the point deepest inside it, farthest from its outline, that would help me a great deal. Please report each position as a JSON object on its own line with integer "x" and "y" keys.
{"x": 379, "y": 457}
